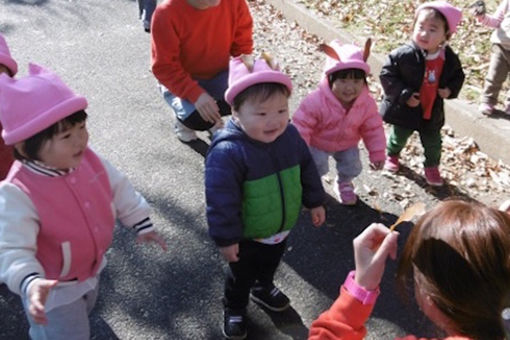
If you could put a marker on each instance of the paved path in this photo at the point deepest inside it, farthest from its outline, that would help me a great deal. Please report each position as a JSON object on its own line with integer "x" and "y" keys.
{"x": 100, "y": 49}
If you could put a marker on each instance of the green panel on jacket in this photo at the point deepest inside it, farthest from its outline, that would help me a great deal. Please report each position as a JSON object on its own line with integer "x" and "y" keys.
{"x": 262, "y": 203}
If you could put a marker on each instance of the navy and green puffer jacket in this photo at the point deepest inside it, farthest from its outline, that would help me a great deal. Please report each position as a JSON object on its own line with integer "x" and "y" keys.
{"x": 254, "y": 189}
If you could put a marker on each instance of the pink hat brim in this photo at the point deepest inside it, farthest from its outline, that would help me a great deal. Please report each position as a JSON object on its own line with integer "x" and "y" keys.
{"x": 251, "y": 79}
{"x": 45, "y": 120}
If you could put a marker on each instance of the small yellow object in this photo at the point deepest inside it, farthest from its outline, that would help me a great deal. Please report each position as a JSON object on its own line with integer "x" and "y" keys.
{"x": 409, "y": 213}
{"x": 248, "y": 61}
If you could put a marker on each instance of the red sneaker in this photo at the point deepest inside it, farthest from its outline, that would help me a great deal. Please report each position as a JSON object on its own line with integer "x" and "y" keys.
{"x": 433, "y": 177}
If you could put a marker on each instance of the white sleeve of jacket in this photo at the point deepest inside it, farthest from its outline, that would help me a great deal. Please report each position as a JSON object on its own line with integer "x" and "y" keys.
{"x": 19, "y": 226}
{"x": 131, "y": 208}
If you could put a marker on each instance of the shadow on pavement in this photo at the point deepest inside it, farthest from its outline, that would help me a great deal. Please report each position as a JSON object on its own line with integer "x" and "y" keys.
{"x": 441, "y": 193}
{"x": 332, "y": 258}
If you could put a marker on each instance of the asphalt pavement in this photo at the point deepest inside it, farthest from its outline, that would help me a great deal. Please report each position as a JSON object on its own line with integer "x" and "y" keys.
{"x": 100, "y": 49}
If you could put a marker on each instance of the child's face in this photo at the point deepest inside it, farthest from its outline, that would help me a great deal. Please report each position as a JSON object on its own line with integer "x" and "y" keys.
{"x": 204, "y": 4}
{"x": 347, "y": 90}
{"x": 264, "y": 121}
{"x": 65, "y": 149}
{"x": 429, "y": 32}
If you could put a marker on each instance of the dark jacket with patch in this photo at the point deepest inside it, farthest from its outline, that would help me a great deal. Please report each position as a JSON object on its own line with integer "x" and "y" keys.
{"x": 254, "y": 189}
{"x": 402, "y": 75}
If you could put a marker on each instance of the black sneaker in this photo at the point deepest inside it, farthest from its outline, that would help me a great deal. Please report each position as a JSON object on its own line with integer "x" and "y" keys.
{"x": 271, "y": 298}
{"x": 234, "y": 326}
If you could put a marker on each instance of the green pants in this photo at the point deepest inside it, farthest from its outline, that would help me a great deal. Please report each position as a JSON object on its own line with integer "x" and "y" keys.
{"x": 430, "y": 140}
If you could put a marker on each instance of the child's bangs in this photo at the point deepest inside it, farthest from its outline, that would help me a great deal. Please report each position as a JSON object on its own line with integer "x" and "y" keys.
{"x": 69, "y": 121}
{"x": 350, "y": 73}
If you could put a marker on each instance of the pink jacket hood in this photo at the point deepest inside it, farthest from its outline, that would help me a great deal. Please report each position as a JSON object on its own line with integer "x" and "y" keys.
{"x": 325, "y": 124}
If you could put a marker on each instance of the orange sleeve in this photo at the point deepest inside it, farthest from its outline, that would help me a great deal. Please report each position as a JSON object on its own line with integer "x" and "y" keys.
{"x": 243, "y": 36}
{"x": 344, "y": 320}
{"x": 166, "y": 51}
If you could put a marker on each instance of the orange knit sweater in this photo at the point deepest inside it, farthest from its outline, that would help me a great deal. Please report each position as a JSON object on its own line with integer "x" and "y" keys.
{"x": 189, "y": 43}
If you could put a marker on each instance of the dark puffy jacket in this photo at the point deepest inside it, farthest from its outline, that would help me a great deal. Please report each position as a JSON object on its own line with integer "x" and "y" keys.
{"x": 255, "y": 189}
{"x": 402, "y": 75}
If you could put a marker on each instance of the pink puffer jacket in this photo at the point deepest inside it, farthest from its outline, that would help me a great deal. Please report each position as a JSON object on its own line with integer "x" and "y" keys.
{"x": 324, "y": 123}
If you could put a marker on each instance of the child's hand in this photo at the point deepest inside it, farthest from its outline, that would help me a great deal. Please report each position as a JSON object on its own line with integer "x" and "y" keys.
{"x": 377, "y": 165}
{"x": 37, "y": 295}
{"x": 207, "y": 108}
{"x": 230, "y": 253}
{"x": 414, "y": 100}
{"x": 444, "y": 93}
{"x": 318, "y": 215}
{"x": 371, "y": 249}
{"x": 152, "y": 236}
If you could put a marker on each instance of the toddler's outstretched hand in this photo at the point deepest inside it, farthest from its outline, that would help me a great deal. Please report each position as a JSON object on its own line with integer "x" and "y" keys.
{"x": 230, "y": 253}
{"x": 318, "y": 215}
{"x": 371, "y": 249}
{"x": 414, "y": 100}
{"x": 377, "y": 165}
{"x": 37, "y": 295}
{"x": 207, "y": 108}
{"x": 152, "y": 236}
{"x": 444, "y": 93}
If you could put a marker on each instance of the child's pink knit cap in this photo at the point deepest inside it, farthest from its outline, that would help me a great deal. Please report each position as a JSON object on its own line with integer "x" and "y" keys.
{"x": 240, "y": 77}
{"x": 33, "y": 103}
{"x": 452, "y": 14}
{"x": 351, "y": 56}
{"x": 5, "y": 57}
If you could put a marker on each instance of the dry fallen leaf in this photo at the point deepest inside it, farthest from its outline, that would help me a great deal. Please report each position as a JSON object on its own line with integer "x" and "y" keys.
{"x": 409, "y": 213}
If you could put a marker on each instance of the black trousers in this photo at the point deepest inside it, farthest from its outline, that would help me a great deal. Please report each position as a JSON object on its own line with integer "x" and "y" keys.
{"x": 257, "y": 264}
{"x": 195, "y": 122}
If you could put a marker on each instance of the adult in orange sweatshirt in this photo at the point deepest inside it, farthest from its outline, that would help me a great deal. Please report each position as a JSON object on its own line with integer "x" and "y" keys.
{"x": 192, "y": 41}
{"x": 465, "y": 296}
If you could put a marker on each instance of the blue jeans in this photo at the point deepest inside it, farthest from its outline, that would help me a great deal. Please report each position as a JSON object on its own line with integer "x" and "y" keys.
{"x": 186, "y": 112}
{"x": 145, "y": 10}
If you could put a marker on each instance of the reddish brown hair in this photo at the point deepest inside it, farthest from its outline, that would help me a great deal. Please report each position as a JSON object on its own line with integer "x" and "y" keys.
{"x": 461, "y": 250}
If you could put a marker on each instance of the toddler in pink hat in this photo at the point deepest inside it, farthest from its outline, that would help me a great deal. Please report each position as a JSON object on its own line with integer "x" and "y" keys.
{"x": 417, "y": 77}
{"x": 258, "y": 174}
{"x": 338, "y": 114}
{"x": 57, "y": 182}
{"x": 8, "y": 66}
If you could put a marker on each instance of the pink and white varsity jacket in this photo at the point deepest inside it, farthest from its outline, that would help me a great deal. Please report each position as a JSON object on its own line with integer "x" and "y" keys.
{"x": 60, "y": 227}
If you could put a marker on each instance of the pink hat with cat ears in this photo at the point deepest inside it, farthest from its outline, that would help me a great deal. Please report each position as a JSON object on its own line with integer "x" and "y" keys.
{"x": 245, "y": 71}
{"x": 5, "y": 57}
{"x": 452, "y": 14}
{"x": 33, "y": 103}
{"x": 346, "y": 56}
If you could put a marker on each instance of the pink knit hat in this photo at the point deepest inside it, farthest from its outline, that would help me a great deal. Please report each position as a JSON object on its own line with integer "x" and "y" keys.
{"x": 452, "y": 14}
{"x": 342, "y": 57}
{"x": 5, "y": 57}
{"x": 33, "y": 103}
{"x": 243, "y": 74}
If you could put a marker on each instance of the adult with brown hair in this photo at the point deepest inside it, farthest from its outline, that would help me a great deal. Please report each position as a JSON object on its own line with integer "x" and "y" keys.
{"x": 463, "y": 296}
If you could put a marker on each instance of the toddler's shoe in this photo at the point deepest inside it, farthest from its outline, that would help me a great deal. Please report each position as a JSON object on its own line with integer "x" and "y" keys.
{"x": 433, "y": 177}
{"x": 234, "y": 323}
{"x": 486, "y": 109}
{"x": 270, "y": 297}
{"x": 184, "y": 133}
{"x": 391, "y": 163}
{"x": 345, "y": 193}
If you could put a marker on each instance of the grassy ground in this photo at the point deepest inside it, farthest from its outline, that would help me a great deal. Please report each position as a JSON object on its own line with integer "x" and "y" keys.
{"x": 389, "y": 23}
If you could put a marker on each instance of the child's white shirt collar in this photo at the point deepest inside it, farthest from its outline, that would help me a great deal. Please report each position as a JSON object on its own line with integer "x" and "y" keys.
{"x": 43, "y": 169}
